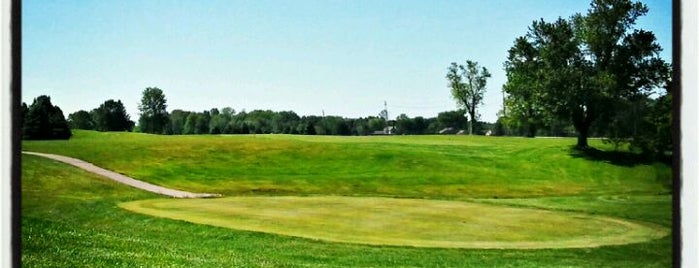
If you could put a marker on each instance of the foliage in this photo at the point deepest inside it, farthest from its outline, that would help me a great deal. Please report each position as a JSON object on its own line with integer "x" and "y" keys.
{"x": 177, "y": 121}
{"x": 590, "y": 63}
{"x": 44, "y": 121}
{"x": 467, "y": 85}
{"x": 524, "y": 105}
{"x": 227, "y": 121}
{"x": 654, "y": 135}
{"x": 81, "y": 120}
{"x": 452, "y": 119}
{"x": 154, "y": 116}
{"x": 111, "y": 116}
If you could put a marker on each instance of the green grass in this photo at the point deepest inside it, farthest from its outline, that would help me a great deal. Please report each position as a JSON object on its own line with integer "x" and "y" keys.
{"x": 403, "y": 222}
{"x": 73, "y": 219}
{"x": 444, "y": 167}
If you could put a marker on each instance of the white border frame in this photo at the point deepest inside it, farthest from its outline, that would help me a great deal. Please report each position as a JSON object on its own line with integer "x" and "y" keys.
{"x": 689, "y": 130}
{"x": 6, "y": 135}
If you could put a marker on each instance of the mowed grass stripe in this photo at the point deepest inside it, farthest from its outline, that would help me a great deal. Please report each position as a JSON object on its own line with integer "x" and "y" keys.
{"x": 404, "y": 222}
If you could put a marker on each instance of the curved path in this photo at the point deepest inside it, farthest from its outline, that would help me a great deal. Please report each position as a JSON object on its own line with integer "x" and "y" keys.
{"x": 123, "y": 179}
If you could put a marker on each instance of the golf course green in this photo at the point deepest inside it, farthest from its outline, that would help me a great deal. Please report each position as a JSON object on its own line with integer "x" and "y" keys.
{"x": 403, "y": 222}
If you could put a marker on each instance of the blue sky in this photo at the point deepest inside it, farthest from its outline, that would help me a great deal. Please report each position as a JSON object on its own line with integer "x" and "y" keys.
{"x": 342, "y": 57}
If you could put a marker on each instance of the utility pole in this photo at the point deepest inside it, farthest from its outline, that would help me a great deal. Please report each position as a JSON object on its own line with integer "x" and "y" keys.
{"x": 385, "y": 107}
{"x": 386, "y": 129}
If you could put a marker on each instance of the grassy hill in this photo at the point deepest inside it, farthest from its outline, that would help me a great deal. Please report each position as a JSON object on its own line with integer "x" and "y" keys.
{"x": 444, "y": 167}
{"x": 72, "y": 218}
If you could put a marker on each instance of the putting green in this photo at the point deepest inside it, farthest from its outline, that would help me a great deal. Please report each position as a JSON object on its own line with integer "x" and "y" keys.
{"x": 403, "y": 222}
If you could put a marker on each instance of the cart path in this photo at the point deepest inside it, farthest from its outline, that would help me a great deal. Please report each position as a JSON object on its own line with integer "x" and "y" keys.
{"x": 123, "y": 179}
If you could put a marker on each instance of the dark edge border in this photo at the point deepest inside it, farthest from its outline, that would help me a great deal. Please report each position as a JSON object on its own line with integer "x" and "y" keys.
{"x": 676, "y": 87}
{"x": 16, "y": 88}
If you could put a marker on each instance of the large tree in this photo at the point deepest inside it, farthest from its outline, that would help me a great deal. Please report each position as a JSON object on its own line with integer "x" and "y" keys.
{"x": 467, "y": 85}
{"x": 591, "y": 63}
{"x": 44, "y": 121}
{"x": 154, "y": 116}
{"x": 112, "y": 116}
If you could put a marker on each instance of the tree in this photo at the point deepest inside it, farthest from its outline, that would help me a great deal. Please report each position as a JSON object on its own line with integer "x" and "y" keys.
{"x": 81, "y": 120}
{"x": 112, "y": 116}
{"x": 654, "y": 134}
{"x": 452, "y": 119}
{"x": 154, "y": 116}
{"x": 376, "y": 124}
{"x": 467, "y": 85}
{"x": 590, "y": 64}
{"x": 201, "y": 126}
{"x": 524, "y": 88}
{"x": 404, "y": 124}
{"x": 190, "y": 124}
{"x": 284, "y": 122}
{"x": 44, "y": 121}
{"x": 177, "y": 121}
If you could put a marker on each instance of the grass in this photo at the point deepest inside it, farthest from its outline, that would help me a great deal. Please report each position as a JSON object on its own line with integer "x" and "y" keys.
{"x": 443, "y": 167}
{"x": 403, "y": 222}
{"x": 73, "y": 219}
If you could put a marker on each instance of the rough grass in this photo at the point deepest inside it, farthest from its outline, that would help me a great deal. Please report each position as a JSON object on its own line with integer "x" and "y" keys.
{"x": 403, "y": 222}
{"x": 72, "y": 219}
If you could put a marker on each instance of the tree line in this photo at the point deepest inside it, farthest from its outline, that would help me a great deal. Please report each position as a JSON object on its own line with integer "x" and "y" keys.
{"x": 111, "y": 115}
{"x": 157, "y": 120}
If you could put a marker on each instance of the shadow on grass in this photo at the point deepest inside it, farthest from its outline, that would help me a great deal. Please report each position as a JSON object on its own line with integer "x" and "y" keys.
{"x": 627, "y": 159}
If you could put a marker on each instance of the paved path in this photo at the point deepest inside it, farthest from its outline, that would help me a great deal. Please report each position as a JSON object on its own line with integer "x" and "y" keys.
{"x": 123, "y": 179}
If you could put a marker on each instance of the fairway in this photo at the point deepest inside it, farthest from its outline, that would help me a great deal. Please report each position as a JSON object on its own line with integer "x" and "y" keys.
{"x": 403, "y": 222}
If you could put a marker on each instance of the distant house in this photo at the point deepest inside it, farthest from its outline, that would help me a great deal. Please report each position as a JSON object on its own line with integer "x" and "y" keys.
{"x": 390, "y": 130}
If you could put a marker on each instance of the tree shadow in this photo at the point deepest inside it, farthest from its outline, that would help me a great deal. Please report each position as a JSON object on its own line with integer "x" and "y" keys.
{"x": 626, "y": 159}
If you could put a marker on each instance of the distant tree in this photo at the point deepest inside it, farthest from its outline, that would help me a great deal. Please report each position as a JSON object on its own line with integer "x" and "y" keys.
{"x": 190, "y": 125}
{"x": 202, "y": 124}
{"x": 376, "y": 123}
{"x": 452, "y": 119}
{"x": 226, "y": 117}
{"x": 403, "y": 124}
{"x": 44, "y": 121}
{"x": 420, "y": 125}
{"x": 112, "y": 116}
{"x": 284, "y": 122}
{"x": 81, "y": 120}
{"x": 25, "y": 110}
{"x": 467, "y": 85}
{"x": 154, "y": 116}
{"x": 217, "y": 123}
{"x": 177, "y": 121}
